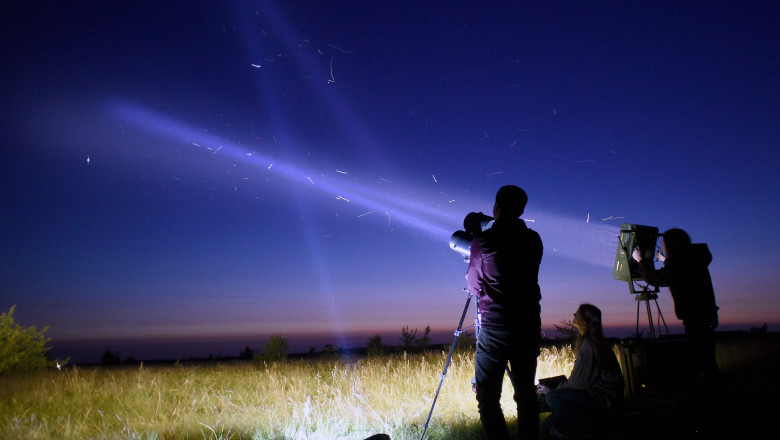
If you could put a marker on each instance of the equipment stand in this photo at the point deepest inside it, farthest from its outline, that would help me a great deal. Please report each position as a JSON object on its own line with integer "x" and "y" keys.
{"x": 452, "y": 349}
{"x": 476, "y": 327}
{"x": 646, "y": 297}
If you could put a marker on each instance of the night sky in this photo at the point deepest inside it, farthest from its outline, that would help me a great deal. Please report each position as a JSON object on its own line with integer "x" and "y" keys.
{"x": 214, "y": 171}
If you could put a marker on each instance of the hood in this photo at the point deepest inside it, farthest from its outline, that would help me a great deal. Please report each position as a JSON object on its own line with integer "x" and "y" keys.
{"x": 698, "y": 252}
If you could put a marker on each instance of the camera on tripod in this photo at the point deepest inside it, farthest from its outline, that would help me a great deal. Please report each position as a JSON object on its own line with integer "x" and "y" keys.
{"x": 473, "y": 224}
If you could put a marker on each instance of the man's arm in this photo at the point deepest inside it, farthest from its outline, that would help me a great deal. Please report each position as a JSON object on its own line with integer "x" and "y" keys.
{"x": 474, "y": 273}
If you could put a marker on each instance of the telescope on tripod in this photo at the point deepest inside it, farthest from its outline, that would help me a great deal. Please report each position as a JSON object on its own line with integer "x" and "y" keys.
{"x": 644, "y": 238}
{"x": 460, "y": 242}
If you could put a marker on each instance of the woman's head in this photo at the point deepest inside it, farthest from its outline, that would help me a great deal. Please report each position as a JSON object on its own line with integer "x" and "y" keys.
{"x": 674, "y": 240}
{"x": 588, "y": 320}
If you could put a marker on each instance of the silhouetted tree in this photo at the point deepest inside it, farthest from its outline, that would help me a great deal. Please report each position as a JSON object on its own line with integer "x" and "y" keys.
{"x": 248, "y": 353}
{"x": 329, "y": 350}
{"x": 759, "y": 330}
{"x": 567, "y": 330}
{"x": 375, "y": 345}
{"x": 466, "y": 341}
{"x": 275, "y": 349}
{"x": 424, "y": 342}
{"x": 408, "y": 339}
{"x": 110, "y": 357}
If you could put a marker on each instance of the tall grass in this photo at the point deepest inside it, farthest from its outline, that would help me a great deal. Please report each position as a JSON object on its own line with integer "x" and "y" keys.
{"x": 310, "y": 399}
{"x": 298, "y": 399}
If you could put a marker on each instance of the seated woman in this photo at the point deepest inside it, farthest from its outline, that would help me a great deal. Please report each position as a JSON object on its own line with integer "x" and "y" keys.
{"x": 594, "y": 392}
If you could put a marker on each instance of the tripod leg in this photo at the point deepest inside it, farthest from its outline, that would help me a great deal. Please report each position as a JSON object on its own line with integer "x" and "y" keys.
{"x": 637, "y": 320}
{"x": 661, "y": 315}
{"x": 447, "y": 364}
{"x": 650, "y": 320}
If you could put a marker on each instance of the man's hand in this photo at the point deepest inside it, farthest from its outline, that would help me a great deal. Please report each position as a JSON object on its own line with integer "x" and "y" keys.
{"x": 660, "y": 256}
{"x": 637, "y": 255}
{"x": 541, "y": 390}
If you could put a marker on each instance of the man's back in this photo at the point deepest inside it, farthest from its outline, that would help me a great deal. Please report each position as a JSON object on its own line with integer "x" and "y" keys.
{"x": 504, "y": 267}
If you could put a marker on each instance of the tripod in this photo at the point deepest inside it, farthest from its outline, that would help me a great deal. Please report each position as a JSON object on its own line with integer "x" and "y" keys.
{"x": 458, "y": 332}
{"x": 646, "y": 296}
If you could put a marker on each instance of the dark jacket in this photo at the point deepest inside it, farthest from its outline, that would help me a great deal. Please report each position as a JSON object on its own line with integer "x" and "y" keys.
{"x": 687, "y": 275}
{"x": 503, "y": 273}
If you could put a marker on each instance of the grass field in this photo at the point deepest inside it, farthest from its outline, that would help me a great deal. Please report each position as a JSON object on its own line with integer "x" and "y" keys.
{"x": 297, "y": 399}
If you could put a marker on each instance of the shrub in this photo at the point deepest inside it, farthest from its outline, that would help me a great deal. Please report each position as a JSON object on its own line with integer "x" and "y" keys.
{"x": 567, "y": 330}
{"x": 22, "y": 349}
{"x": 466, "y": 341}
{"x": 275, "y": 349}
{"x": 408, "y": 339}
{"x": 110, "y": 357}
{"x": 375, "y": 347}
{"x": 424, "y": 343}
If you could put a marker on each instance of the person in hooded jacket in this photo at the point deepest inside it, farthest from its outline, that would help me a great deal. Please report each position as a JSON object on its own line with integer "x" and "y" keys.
{"x": 686, "y": 273}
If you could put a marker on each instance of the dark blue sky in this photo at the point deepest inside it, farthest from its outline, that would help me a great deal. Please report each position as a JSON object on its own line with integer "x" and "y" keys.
{"x": 213, "y": 169}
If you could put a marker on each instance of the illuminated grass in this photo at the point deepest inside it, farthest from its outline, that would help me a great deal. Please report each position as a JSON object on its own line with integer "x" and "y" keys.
{"x": 301, "y": 399}
{"x": 298, "y": 399}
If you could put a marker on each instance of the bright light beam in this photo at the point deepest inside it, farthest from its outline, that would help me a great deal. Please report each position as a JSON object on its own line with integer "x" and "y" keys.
{"x": 421, "y": 217}
{"x": 591, "y": 243}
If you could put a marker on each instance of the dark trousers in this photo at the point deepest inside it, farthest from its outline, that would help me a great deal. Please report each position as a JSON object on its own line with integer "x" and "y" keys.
{"x": 701, "y": 345}
{"x": 496, "y": 349}
{"x": 574, "y": 411}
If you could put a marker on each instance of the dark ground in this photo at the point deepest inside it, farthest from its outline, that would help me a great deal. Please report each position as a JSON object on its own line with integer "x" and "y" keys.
{"x": 744, "y": 403}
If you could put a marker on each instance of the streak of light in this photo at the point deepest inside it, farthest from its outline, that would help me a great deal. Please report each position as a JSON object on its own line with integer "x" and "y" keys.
{"x": 366, "y": 213}
{"x": 434, "y": 178}
{"x": 341, "y": 172}
{"x": 340, "y": 49}
{"x": 592, "y": 244}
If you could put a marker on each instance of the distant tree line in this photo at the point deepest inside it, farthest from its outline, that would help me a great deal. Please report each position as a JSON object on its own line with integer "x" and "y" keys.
{"x": 277, "y": 347}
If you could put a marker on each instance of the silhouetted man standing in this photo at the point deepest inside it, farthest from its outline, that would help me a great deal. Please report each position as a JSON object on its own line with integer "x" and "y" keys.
{"x": 503, "y": 274}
